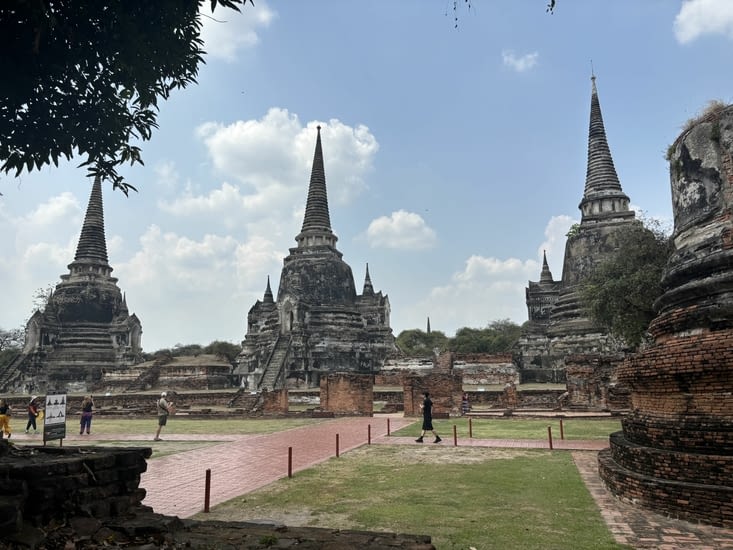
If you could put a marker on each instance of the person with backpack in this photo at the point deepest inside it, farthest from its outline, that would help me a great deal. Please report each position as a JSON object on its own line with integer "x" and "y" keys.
{"x": 164, "y": 409}
{"x": 32, "y": 415}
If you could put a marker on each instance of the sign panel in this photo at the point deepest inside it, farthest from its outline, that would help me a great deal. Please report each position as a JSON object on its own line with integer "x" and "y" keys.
{"x": 54, "y": 418}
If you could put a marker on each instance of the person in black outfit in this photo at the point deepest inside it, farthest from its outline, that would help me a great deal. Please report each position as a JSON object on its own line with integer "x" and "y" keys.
{"x": 427, "y": 419}
{"x": 32, "y": 414}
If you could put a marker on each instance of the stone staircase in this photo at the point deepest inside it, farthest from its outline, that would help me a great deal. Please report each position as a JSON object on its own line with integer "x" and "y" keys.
{"x": 81, "y": 344}
{"x": 11, "y": 372}
{"x": 275, "y": 364}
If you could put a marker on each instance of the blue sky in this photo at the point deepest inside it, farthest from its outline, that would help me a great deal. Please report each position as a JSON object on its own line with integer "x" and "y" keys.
{"x": 453, "y": 156}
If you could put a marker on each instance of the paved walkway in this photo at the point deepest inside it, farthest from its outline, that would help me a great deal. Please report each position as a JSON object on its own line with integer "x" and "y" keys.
{"x": 242, "y": 463}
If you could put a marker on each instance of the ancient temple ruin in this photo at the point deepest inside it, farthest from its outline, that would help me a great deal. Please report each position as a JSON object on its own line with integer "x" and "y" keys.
{"x": 675, "y": 453}
{"x": 559, "y": 326}
{"x": 85, "y": 329}
{"x": 318, "y": 324}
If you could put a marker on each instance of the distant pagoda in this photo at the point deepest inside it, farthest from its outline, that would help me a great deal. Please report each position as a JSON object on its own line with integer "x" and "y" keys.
{"x": 318, "y": 324}
{"x": 85, "y": 330}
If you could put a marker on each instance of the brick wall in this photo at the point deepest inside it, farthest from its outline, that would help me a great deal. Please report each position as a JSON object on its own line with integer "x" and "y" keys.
{"x": 84, "y": 481}
{"x": 348, "y": 394}
{"x": 445, "y": 391}
{"x": 275, "y": 402}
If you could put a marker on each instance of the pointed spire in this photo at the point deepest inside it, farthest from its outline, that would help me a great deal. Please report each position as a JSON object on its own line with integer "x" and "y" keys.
{"x": 603, "y": 195}
{"x": 268, "y": 299}
{"x": 316, "y": 209}
{"x": 123, "y": 306}
{"x": 546, "y": 275}
{"x": 92, "y": 247}
{"x": 316, "y": 230}
{"x": 428, "y": 328}
{"x": 368, "y": 288}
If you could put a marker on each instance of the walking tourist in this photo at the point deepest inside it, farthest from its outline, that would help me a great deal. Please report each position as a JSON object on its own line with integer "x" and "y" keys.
{"x": 427, "y": 419}
{"x": 164, "y": 409}
{"x": 32, "y": 415}
{"x": 87, "y": 407}
{"x": 5, "y": 413}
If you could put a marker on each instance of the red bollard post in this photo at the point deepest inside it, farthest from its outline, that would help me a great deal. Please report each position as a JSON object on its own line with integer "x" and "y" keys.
{"x": 549, "y": 435}
{"x": 455, "y": 436}
{"x": 337, "y": 445}
{"x": 290, "y": 462}
{"x": 562, "y": 432}
{"x": 207, "y": 490}
{"x": 470, "y": 428}
{"x": 369, "y": 434}
{"x": 388, "y": 426}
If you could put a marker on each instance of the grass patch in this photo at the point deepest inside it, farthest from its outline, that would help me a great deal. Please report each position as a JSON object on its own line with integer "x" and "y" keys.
{"x": 102, "y": 425}
{"x": 516, "y": 428}
{"x": 461, "y": 497}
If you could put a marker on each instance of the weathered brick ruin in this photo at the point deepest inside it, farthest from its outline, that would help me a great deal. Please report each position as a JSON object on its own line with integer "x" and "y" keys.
{"x": 318, "y": 324}
{"x": 592, "y": 383}
{"x": 675, "y": 453}
{"x": 445, "y": 390}
{"x": 85, "y": 329}
{"x": 348, "y": 394}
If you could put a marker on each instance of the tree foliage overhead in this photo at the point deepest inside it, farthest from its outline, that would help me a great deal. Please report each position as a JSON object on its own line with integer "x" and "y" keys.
{"x": 84, "y": 77}
{"x": 621, "y": 291}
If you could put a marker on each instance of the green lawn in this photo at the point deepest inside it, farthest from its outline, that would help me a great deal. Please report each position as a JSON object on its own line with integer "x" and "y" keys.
{"x": 462, "y": 497}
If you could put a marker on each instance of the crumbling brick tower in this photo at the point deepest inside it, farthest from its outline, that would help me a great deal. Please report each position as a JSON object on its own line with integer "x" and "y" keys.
{"x": 675, "y": 453}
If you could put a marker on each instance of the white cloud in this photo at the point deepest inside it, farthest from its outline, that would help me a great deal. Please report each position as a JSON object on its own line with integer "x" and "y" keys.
{"x": 195, "y": 290}
{"x": 519, "y": 63}
{"x": 487, "y": 288}
{"x": 554, "y": 244}
{"x": 697, "y": 18}
{"x": 401, "y": 230}
{"x": 278, "y": 149}
{"x": 225, "y": 32}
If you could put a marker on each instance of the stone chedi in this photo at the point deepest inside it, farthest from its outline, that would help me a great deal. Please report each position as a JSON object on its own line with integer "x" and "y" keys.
{"x": 675, "y": 453}
{"x": 318, "y": 324}
{"x": 85, "y": 328}
{"x": 540, "y": 298}
{"x": 561, "y": 326}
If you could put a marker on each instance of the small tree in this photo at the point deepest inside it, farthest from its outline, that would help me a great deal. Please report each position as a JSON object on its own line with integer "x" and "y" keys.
{"x": 415, "y": 342}
{"x": 224, "y": 349}
{"x": 621, "y": 291}
{"x": 498, "y": 337}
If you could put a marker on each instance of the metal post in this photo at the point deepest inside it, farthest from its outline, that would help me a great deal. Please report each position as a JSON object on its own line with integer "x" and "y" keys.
{"x": 290, "y": 462}
{"x": 388, "y": 426}
{"x": 470, "y": 428}
{"x": 549, "y": 435}
{"x": 369, "y": 434}
{"x": 562, "y": 432}
{"x": 207, "y": 490}
{"x": 337, "y": 445}
{"x": 455, "y": 436}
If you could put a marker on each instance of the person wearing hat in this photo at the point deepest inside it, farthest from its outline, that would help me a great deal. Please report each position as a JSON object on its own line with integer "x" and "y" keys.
{"x": 32, "y": 415}
{"x": 164, "y": 409}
